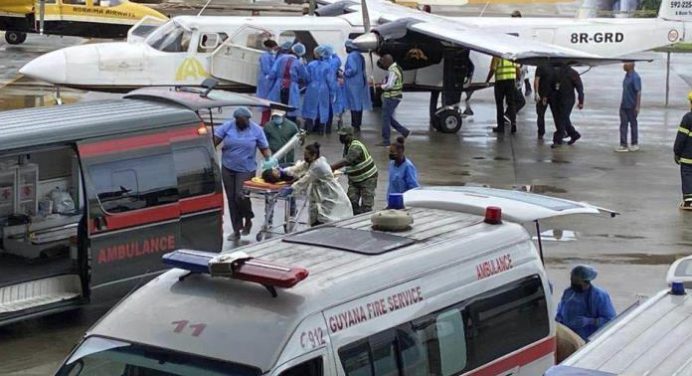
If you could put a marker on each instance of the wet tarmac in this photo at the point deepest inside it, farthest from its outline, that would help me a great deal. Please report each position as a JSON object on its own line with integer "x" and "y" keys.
{"x": 631, "y": 252}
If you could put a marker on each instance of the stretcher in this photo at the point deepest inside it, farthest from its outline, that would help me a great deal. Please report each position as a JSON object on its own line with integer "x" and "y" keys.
{"x": 272, "y": 194}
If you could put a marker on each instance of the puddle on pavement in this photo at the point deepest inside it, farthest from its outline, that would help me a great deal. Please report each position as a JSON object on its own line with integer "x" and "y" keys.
{"x": 478, "y": 157}
{"x": 620, "y": 258}
{"x": 16, "y": 98}
{"x": 501, "y": 159}
{"x": 557, "y": 235}
{"x": 460, "y": 173}
{"x": 620, "y": 236}
{"x": 539, "y": 188}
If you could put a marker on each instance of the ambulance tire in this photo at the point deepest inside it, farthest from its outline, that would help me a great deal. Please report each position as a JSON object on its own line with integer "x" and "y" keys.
{"x": 448, "y": 121}
{"x": 15, "y": 37}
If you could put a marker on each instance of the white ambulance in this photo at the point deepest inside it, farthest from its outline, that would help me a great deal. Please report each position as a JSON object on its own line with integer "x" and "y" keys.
{"x": 462, "y": 291}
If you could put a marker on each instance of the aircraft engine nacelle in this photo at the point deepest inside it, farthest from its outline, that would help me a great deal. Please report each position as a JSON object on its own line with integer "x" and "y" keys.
{"x": 409, "y": 49}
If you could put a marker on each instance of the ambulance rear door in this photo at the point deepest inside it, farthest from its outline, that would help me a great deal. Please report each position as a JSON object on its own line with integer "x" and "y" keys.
{"x": 134, "y": 210}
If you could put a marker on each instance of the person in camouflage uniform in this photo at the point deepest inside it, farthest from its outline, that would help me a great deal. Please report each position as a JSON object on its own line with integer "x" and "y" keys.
{"x": 361, "y": 171}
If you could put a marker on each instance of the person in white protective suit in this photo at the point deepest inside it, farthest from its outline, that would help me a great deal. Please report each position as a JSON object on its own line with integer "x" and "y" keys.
{"x": 327, "y": 200}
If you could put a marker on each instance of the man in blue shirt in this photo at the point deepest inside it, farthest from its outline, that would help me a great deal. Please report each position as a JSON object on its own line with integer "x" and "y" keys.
{"x": 629, "y": 108}
{"x": 402, "y": 173}
{"x": 241, "y": 138}
{"x": 584, "y": 308}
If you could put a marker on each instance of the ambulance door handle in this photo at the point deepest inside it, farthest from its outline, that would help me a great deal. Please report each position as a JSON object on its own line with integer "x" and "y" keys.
{"x": 100, "y": 222}
{"x": 510, "y": 372}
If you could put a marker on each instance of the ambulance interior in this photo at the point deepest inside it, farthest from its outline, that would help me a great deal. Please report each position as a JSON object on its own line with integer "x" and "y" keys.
{"x": 41, "y": 206}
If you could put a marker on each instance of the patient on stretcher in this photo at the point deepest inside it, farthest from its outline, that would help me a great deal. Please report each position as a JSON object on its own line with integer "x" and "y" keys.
{"x": 276, "y": 175}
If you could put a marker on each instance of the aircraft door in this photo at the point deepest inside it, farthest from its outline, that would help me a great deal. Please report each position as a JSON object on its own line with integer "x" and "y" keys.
{"x": 237, "y": 59}
{"x": 143, "y": 28}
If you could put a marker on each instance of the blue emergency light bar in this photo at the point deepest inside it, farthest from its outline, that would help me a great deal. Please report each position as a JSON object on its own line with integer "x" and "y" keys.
{"x": 193, "y": 261}
{"x": 237, "y": 265}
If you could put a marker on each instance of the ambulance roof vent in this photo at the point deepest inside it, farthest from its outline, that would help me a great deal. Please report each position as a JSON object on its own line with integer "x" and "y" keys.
{"x": 236, "y": 265}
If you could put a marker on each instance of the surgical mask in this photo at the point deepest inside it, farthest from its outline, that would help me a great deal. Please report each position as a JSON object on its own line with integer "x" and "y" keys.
{"x": 577, "y": 287}
{"x": 277, "y": 120}
{"x": 392, "y": 156}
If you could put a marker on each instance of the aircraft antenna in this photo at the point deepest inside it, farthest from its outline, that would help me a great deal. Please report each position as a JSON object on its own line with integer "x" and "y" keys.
{"x": 204, "y": 8}
{"x": 484, "y": 8}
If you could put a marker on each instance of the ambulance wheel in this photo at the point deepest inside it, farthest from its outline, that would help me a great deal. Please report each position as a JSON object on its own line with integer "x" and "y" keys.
{"x": 448, "y": 121}
{"x": 14, "y": 37}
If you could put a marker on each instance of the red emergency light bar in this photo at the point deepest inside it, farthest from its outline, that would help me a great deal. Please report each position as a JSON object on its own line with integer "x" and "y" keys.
{"x": 259, "y": 271}
{"x": 237, "y": 265}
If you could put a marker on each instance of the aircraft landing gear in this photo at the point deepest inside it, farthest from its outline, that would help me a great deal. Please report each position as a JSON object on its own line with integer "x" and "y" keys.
{"x": 15, "y": 37}
{"x": 447, "y": 119}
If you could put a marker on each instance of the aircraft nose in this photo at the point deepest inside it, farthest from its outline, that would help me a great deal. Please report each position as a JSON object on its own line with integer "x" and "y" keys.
{"x": 51, "y": 67}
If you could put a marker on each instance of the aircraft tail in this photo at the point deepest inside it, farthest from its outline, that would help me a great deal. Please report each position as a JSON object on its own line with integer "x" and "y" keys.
{"x": 675, "y": 10}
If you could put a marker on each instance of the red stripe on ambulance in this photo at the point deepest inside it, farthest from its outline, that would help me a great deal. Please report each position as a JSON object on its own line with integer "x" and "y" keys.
{"x": 522, "y": 357}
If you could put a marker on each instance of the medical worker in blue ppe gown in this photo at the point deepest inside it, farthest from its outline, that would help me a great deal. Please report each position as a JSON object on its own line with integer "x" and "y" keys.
{"x": 287, "y": 75}
{"x": 584, "y": 308}
{"x": 356, "y": 85}
{"x": 266, "y": 62}
{"x": 337, "y": 98}
{"x": 321, "y": 87}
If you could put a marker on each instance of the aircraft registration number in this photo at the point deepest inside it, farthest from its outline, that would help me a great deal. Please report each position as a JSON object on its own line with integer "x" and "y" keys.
{"x": 597, "y": 37}
{"x": 681, "y": 4}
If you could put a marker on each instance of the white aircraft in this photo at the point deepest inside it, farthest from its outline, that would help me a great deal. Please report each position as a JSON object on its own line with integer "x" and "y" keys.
{"x": 434, "y": 51}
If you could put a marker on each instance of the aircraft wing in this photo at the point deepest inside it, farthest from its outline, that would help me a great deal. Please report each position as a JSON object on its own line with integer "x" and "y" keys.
{"x": 464, "y": 34}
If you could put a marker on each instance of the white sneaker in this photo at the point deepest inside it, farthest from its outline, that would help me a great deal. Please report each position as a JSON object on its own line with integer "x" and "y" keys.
{"x": 622, "y": 149}
{"x": 634, "y": 148}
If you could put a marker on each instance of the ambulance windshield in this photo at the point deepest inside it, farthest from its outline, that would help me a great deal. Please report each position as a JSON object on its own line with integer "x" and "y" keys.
{"x": 101, "y": 356}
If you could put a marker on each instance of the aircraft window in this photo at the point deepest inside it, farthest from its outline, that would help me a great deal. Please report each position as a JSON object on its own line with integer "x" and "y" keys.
{"x": 74, "y": 2}
{"x": 254, "y": 38}
{"x": 170, "y": 37}
{"x": 302, "y": 36}
{"x": 208, "y": 42}
{"x": 107, "y": 3}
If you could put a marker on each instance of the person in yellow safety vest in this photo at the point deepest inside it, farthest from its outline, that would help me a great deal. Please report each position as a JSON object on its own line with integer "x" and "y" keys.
{"x": 683, "y": 156}
{"x": 361, "y": 171}
{"x": 506, "y": 73}
{"x": 393, "y": 93}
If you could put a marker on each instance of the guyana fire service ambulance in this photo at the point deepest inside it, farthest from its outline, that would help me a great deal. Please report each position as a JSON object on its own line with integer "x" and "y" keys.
{"x": 461, "y": 291}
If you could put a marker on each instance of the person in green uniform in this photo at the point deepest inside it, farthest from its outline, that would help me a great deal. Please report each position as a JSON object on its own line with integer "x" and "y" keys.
{"x": 279, "y": 131}
{"x": 361, "y": 171}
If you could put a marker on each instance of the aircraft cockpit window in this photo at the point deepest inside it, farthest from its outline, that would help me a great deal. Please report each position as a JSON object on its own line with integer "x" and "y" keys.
{"x": 170, "y": 37}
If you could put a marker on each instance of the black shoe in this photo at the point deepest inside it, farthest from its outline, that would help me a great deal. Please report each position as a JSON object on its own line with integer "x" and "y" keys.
{"x": 498, "y": 130}
{"x": 540, "y": 136}
{"x": 573, "y": 139}
{"x": 514, "y": 129}
{"x": 555, "y": 146}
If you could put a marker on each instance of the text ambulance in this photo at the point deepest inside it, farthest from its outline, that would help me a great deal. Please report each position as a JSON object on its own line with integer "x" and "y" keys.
{"x": 457, "y": 293}
{"x": 92, "y": 194}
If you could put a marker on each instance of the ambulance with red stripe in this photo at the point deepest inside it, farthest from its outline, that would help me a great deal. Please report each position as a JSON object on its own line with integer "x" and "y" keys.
{"x": 92, "y": 194}
{"x": 461, "y": 291}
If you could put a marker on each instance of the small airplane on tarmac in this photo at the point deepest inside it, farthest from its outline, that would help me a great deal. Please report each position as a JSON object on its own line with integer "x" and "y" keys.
{"x": 435, "y": 52}
{"x": 82, "y": 18}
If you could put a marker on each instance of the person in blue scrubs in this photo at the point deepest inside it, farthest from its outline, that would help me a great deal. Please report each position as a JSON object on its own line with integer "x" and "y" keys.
{"x": 287, "y": 76}
{"x": 584, "y": 308}
{"x": 402, "y": 173}
{"x": 337, "y": 98}
{"x": 241, "y": 138}
{"x": 356, "y": 85}
{"x": 266, "y": 62}
{"x": 321, "y": 86}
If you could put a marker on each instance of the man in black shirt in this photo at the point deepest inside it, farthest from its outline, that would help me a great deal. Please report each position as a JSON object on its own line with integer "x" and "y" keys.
{"x": 568, "y": 81}
{"x": 546, "y": 95}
